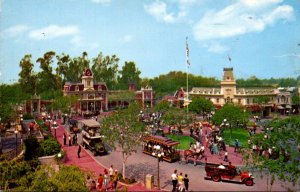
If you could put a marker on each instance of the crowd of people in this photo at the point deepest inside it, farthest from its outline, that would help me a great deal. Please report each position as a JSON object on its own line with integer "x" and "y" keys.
{"x": 108, "y": 180}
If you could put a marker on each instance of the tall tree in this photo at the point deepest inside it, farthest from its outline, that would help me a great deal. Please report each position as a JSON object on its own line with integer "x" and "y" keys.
{"x": 201, "y": 105}
{"x": 129, "y": 74}
{"x": 233, "y": 114}
{"x": 262, "y": 101}
{"x": 105, "y": 69}
{"x": 27, "y": 76}
{"x": 47, "y": 80}
{"x": 123, "y": 130}
{"x": 282, "y": 136}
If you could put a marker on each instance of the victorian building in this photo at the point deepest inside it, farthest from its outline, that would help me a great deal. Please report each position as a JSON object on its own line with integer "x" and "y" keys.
{"x": 228, "y": 92}
{"x": 93, "y": 97}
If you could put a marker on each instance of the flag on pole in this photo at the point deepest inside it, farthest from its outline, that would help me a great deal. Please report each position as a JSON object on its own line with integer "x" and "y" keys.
{"x": 187, "y": 53}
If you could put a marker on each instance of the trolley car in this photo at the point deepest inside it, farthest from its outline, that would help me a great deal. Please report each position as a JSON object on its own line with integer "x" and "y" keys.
{"x": 154, "y": 144}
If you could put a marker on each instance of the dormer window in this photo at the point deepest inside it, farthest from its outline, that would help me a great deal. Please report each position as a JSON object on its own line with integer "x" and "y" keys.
{"x": 77, "y": 88}
{"x": 100, "y": 88}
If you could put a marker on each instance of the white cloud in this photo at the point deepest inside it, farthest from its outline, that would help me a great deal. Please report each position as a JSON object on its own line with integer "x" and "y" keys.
{"x": 53, "y": 31}
{"x": 288, "y": 55}
{"x": 101, "y": 1}
{"x": 217, "y": 48}
{"x": 242, "y": 17}
{"x": 15, "y": 31}
{"x": 159, "y": 11}
{"x": 78, "y": 42}
{"x": 126, "y": 38}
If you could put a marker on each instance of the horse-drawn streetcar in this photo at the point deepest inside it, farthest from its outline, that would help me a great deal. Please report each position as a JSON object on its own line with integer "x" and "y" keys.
{"x": 154, "y": 144}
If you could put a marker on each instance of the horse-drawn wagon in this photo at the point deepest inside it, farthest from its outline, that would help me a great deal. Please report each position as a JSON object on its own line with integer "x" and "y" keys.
{"x": 154, "y": 144}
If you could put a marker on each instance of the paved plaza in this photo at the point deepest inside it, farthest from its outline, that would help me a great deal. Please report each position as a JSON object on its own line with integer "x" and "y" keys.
{"x": 139, "y": 165}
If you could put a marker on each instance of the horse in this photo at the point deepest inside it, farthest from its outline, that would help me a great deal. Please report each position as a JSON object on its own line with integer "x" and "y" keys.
{"x": 191, "y": 153}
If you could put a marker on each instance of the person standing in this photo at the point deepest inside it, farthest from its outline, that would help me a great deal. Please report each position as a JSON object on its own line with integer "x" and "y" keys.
{"x": 111, "y": 172}
{"x": 174, "y": 178}
{"x": 226, "y": 156}
{"x": 65, "y": 139}
{"x": 106, "y": 179}
{"x": 186, "y": 182}
{"x": 115, "y": 179}
{"x": 70, "y": 140}
{"x": 236, "y": 146}
{"x": 78, "y": 151}
{"x": 100, "y": 182}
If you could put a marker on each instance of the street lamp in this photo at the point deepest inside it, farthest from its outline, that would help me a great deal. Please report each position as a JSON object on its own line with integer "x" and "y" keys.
{"x": 16, "y": 132}
{"x": 54, "y": 127}
{"x": 160, "y": 156}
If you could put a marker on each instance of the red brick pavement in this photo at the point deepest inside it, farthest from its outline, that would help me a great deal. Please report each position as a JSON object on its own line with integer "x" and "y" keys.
{"x": 86, "y": 162}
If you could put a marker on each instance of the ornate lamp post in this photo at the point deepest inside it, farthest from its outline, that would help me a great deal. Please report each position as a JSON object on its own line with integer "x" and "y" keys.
{"x": 54, "y": 127}
{"x": 16, "y": 132}
{"x": 159, "y": 156}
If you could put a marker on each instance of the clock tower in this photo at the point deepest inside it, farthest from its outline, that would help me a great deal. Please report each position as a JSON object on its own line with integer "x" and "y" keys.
{"x": 88, "y": 80}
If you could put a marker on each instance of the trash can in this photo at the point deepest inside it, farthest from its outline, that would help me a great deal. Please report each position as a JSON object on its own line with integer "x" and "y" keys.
{"x": 149, "y": 181}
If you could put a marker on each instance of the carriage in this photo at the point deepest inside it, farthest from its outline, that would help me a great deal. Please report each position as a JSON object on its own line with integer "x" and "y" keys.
{"x": 154, "y": 143}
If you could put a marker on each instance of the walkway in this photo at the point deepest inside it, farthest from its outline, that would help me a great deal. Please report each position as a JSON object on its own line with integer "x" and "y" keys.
{"x": 86, "y": 162}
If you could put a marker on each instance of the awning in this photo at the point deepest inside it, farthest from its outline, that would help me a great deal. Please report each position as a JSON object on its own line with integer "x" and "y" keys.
{"x": 288, "y": 107}
{"x": 90, "y": 122}
{"x": 280, "y": 107}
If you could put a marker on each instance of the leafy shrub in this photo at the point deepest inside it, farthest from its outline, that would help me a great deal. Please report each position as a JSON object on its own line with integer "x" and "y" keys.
{"x": 49, "y": 146}
{"x": 32, "y": 148}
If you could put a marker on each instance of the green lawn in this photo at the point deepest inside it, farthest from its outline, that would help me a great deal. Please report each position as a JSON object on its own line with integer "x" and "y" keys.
{"x": 237, "y": 133}
{"x": 184, "y": 141}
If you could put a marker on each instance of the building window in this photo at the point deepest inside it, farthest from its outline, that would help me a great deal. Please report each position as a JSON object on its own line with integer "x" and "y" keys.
{"x": 248, "y": 101}
{"x": 239, "y": 101}
{"x": 100, "y": 88}
{"x": 88, "y": 83}
{"x": 77, "y": 88}
{"x": 217, "y": 100}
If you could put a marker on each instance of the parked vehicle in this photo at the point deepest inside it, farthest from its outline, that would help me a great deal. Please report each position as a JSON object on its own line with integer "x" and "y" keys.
{"x": 229, "y": 173}
{"x": 91, "y": 137}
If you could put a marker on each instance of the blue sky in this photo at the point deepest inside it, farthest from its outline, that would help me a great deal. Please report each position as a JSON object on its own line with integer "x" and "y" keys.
{"x": 260, "y": 36}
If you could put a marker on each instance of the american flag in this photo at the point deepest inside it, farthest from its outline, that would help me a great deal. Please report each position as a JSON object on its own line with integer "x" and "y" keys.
{"x": 229, "y": 58}
{"x": 187, "y": 53}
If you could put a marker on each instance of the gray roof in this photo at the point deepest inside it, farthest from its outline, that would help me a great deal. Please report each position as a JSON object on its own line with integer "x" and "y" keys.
{"x": 206, "y": 91}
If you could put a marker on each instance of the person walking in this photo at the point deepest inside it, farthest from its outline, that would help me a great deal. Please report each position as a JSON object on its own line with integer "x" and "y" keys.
{"x": 115, "y": 179}
{"x": 70, "y": 140}
{"x": 225, "y": 156}
{"x": 106, "y": 179}
{"x": 174, "y": 178}
{"x": 100, "y": 182}
{"x": 186, "y": 182}
{"x": 111, "y": 172}
{"x": 78, "y": 151}
{"x": 65, "y": 139}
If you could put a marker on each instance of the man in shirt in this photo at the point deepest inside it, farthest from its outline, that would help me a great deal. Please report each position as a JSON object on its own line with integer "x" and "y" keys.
{"x": 174, "y": 178}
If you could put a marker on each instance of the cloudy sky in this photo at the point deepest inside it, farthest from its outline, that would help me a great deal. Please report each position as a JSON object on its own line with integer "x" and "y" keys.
{"x": 261, "y": 37}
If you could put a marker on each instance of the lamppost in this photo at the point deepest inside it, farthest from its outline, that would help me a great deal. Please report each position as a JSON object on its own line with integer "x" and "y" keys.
{"x": 159, "y": 156}
{"x": 54, "y": 126}
{"x": 16, "y": 132}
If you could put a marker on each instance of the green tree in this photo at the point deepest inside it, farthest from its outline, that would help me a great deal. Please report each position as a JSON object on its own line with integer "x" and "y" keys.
{"x": 162, "y": 106}
{"x": 233, "y": 114}
{"x": 201, "y": 105}
{"x": 27, "y": 76}
{"x": 176, "y": 116}
{"x": 262, "y": 101}
{"x": 48, "y": 82}
{"x": 64, "y": 103}
{"x": 76, "y": 67}
{"x": 283, "y": 137}
{"x": 105, "y": 69}
{"x": 124, "y": 132}
{"x": 129, "y": 74}
{"x": 68, "y": 178}
{"x": 63, "y": 67}
{"x": 296, "y": 100}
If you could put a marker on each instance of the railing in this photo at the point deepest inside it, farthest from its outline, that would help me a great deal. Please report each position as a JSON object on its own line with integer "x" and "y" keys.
{"x": 11, "y": 154}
